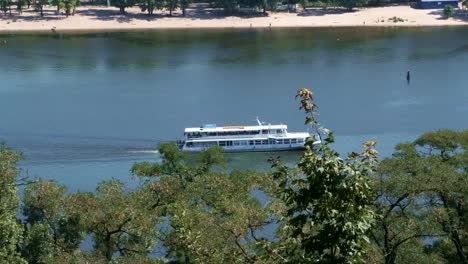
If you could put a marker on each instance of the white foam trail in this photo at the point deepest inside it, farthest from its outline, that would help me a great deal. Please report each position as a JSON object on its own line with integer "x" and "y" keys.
{"x": 143, "y": 151}
{"x": 404, "y": 102}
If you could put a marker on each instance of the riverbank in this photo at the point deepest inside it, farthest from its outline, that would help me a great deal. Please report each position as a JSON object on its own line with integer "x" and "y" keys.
{"x": 109, "y": 19}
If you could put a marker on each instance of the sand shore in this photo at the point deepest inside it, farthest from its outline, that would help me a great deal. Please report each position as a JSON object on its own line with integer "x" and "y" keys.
{"x": 109, "y": 19}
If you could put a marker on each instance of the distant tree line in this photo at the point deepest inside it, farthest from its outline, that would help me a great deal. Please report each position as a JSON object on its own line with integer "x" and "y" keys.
{"x": 409, "y": 208}
{"x": 149, "y": 6}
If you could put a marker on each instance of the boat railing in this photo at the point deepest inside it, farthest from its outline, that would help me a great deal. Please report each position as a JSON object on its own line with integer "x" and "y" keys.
{"x": 238, "y": 136}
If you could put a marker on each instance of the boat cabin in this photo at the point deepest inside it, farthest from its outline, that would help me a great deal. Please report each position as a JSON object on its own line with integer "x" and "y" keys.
{"x": 248, "y": 142}
{"x": 212, "y": 131}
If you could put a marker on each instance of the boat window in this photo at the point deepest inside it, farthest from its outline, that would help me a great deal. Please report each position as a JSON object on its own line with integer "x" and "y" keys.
{"x": 194, "y": 135}
{"x": 236, "y": 143}
{"x": 279, "y": 141}
{"x": 222, "y": 143}
{"x": 265, "y": 131}
{"x": 251, "y": 142}
{"x": 265, "y": 142}
{"x": 258, "y": 142}
{"x": 206, "y": 144}
{"x": 300, "y": 140}
{"x": 293, "y": 140}
{"x": 286, "y": 141}
{"x": 278, "y": 131}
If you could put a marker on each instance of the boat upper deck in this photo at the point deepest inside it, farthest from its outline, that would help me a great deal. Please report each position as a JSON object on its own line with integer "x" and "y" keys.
{"x": 213, "y": 128}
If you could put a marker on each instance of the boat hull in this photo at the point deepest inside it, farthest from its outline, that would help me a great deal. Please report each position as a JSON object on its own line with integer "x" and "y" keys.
{"x": 257, "y": 148}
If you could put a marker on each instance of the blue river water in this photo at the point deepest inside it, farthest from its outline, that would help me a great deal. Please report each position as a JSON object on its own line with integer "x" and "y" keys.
{"x": 84, "y": 107}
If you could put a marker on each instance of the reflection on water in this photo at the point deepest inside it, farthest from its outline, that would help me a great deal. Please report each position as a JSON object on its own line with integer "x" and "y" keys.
{"x": 153, "y": 50}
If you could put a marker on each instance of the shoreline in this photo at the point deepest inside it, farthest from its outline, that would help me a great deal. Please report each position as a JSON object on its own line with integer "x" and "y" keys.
{"x": 156, "y": 29}
{"x": 103, "y": 19}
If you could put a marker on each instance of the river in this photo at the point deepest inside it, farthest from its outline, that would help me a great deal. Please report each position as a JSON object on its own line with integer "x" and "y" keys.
{"x": 84, "y": 107}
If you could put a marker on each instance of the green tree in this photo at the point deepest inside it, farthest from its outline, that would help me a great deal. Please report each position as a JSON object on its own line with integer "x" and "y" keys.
{"x": 403, "y": 220}
{"x": 350, "y": 4}
{"x": 423, "y": 189}
{"x": 270, "y": 5}
{"x": 184, "y": 4}
{"x": 249, "y": 3}
{"x": 171, "y": 5}
{"x": 213, "y": 216}
{"x": 328, "y": 200}
{"x": 39, "y": 6}
{"x": 303, "y": 4}
{"x": 20, "y": 5}
{"x": 10, "y": 229}
{"x": 119, "y": 221}
{"x": 229, "y": 6}
{"x": 45, "y": 212}
{"x": 5, "y": 6}
{"x": 148, "y": 6}
{"x": 449, "y": 11}
{"x": 59, "y": 4}
{"x": 69, "y": 6}
{"x": 122, "y": 4}
{"x": 446, "y": 183}
{"x": 39, "y": 244}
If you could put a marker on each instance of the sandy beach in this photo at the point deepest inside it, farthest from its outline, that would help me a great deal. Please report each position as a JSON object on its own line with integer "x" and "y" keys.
{"x": 201, "y": 16}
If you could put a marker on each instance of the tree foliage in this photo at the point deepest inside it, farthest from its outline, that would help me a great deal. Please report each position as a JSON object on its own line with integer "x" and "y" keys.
{"x": 5, "y": 6}
{"x": 11, "y": 231}
{"x": 46, "y": 218}
{"x": 39, "y": 6}
{"x": 122, "y": 4}
{"x": 150, "y": 5}
{"x": 350, "y": 4}
{"x": 422, "y": 194}
{"x": 20, "y": 4}
{"x": 328, "y": 200}
{"x": 69, "y": 6}
{"x": 118, "y": 220}
{"x": 449, "y": 11}
{"x": 212, "y": 216}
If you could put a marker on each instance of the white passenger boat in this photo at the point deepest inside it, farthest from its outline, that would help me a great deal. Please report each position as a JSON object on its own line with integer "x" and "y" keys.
{"x": 263, "y": 137}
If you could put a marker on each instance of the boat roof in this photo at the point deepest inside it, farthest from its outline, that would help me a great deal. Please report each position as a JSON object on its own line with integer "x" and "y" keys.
{"x": 214, "y": 128}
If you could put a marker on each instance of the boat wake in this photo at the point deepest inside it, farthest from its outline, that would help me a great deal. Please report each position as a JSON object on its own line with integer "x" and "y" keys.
{"x": 143, "y": 151}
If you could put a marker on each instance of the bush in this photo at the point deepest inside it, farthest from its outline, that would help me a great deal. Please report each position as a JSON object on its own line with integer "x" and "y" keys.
{"x": 449, "y": 11}
{"x": 322, "y": 4}
{"x": 396, "y": 19}
{"x": 350, "y": 4}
